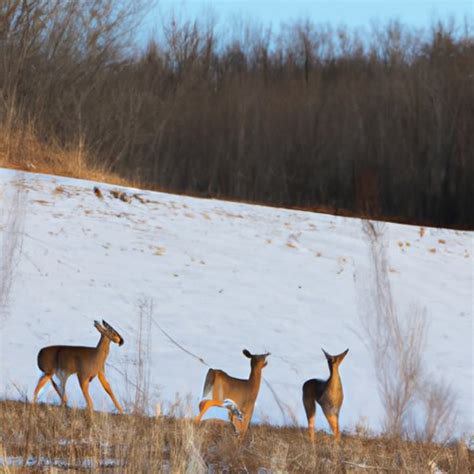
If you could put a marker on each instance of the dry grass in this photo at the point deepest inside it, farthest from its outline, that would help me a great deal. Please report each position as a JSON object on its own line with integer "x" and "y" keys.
{"x": 22, "y": 149}
{"x": 47, "y": 436}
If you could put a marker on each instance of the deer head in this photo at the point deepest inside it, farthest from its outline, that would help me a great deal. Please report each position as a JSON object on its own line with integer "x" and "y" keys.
{"x": 108, "y": 331}
{"x": 256, "y": 360}
{"x": 335, "y": 360}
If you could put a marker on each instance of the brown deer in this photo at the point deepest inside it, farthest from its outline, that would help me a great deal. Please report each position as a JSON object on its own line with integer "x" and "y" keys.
{"x": 328, "y": 393}
{"x": 237, "y": 395}
{"x": 86, "y": 362}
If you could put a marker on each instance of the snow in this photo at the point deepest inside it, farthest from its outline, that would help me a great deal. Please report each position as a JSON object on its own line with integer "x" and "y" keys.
{"x": 222, "y": 276}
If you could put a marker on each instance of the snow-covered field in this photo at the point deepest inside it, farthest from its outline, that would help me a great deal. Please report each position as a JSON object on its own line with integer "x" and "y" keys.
{"x": 222, "y": 277}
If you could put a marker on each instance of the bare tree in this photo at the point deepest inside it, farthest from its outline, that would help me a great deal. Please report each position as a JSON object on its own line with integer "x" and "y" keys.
{"x": 397, "y": 345}
{"x": 143, "y": 357}
{"x": 137, "y": 368}
{"x": 14, "y": 210}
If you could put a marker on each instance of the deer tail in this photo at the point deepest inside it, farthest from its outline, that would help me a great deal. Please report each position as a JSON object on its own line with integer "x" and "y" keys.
{"x": 209, "y": 383}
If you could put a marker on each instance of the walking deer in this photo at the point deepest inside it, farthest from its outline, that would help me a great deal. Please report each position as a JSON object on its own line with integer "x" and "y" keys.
{"x": 328, "y": 393}
{"x": 86, "y": 362}
{"x": 237, "y": 395}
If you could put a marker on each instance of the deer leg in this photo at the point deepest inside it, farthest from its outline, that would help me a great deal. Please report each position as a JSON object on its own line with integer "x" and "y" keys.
{"x": 205, "y": 405}
{"x": 61, "y": 388}
{"x": 242, "y": 426}
{"x": 108, "y": 389}
{"x": 44, "y": 379}
{"x": 236, "y": 422}
{"x": 58, "y": 390}
{"x": 310, "y": 409}
{"x": 63, "y": 383}
{"x": 333, "y": 421}
{"x": 84, "y": 383}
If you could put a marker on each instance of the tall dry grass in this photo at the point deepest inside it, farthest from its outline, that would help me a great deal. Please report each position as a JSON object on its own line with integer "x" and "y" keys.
{"x": 35, "y": 438}
{"x": 21, "y": 148}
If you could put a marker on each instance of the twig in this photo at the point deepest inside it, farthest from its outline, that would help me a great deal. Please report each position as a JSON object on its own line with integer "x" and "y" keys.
{"x": 436, "y": 456}
{"x": 365, "y": 466}
{"x": 32, "y": 262}
{"x": 177, "y": 344}
{"x": 127, "y": 378}
{"x": 277, "y": 400}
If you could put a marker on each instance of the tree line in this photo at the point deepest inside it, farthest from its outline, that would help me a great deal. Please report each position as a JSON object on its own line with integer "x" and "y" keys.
{"x": 376, "y": 123}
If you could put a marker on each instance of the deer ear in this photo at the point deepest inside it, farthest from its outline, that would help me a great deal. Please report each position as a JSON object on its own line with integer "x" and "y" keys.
{"x": 99, "y": 327}
{"x": 246, "y": 353}
{"x": 340, "y": 357}
{"x": 108, "y": 326}
{"x": 328, "y": 356}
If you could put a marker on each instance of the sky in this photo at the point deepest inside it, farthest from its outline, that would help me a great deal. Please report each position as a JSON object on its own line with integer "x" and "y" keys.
{"x": 352, "y": 13}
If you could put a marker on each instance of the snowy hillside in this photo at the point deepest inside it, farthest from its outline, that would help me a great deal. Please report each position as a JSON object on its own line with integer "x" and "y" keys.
{"x": 222, "y": 277}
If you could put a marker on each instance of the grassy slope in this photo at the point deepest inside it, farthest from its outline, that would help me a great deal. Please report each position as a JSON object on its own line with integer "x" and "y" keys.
{"x": 68, "y": 438}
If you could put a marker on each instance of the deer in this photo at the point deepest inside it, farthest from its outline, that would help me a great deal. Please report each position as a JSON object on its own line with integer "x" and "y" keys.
{"x": 327, "y": 393}
{"x": 237, "y": 395}
{"x": 86, "y": 362}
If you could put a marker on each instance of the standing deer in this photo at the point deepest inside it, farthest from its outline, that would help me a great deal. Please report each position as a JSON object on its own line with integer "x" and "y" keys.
{"x": 328, "y": 393}
{"x": 86, "y": 362}
{"x": 237, "y": 395}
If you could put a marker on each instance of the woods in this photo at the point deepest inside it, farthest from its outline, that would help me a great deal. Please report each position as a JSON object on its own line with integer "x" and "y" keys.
{"x": 376, "y": 123}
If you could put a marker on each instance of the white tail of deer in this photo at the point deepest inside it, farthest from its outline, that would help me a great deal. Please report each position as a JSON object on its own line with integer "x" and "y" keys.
{"x": 237, "y": 395}
{"x": 86, "y": 362}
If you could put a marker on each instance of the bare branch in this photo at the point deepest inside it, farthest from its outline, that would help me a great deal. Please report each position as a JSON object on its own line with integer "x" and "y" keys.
{"x": 11, "y": 243}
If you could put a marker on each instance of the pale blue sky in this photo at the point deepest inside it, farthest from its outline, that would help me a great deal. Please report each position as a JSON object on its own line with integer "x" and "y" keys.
{"x": 353, "y": 13}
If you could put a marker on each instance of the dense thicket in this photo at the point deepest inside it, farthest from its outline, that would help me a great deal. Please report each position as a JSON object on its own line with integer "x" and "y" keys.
{"x": 379, "y": 123}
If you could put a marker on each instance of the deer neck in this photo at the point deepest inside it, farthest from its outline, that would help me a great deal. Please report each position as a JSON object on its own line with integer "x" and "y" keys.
{"x": 103, "y": 348}
{"x": 255, "y": 379}
{"x": 334, "y": 380}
